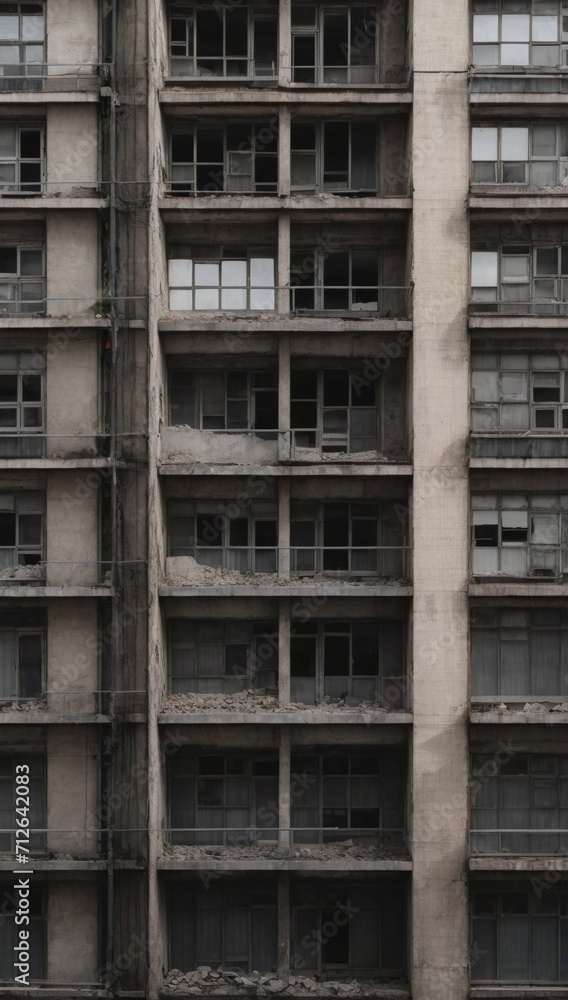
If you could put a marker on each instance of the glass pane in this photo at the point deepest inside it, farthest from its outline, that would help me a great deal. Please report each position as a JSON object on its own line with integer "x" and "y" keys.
{"x": 7, "y": 140}
{"x": 514, "y": 55}
{"x": 484, "y": 143}
{"x": 544, "y": 140}
{"x": 484, "y": 269}
{"x": 180, "y": 273}
{"x": 515, "y": 27}
{"x": 514, "y": 143}
{"x": 545, "y": 29}
{"x": 262, "y": 272}
{"x": 486, "y": 28}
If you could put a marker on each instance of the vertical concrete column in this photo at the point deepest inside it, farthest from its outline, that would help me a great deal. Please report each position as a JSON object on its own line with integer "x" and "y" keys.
{"x": 284, "y": 838}
{"x": 284, "y": 651}
{"x": 283, "y": 267}
{"x": 284, "y": 926}
{"x": 284, "y": 43}
{"x": 284, "y": 154}
{"x": 285, "y": 440}
{"x": 440, "y": 141}
{"x": 284, "y": 528}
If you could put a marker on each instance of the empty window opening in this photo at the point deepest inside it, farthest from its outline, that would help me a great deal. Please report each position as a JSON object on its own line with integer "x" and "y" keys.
{"x": 22, "y": 654}
{"x": 342, "y": 538}
{"x": 209, "y": 533}
{"x": 230, "y": 799}
{"x": 228, "y": 278}
{"x": 224, "y": 400}
{"x": 334, "y": 410}
{"x": 341, "y": 280}
{"x": 335, "y": 45}
{"x": 335, "y": 157}
{"x": 22, "y": 285}
{"x": 237, "y": 42}
{"x": 223, "y": 657}
{"x": 362, "y": 660}
{"x": 520, "y": 534}
{"x": 21, "y": 529}
{"x": 239, "y": 158}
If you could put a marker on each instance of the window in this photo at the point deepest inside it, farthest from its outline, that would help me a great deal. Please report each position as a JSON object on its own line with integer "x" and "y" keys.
{"x": 513, "y": 276}
{"x": 230, "y": 278}
{"x": 350, "y": 795}
{"x": 520, "y": 392}
{"x": 228, "y": 924}
{"x": 8, "y": 785}
{"x": 224, "y": 400}
{"x": 363, "y": 660}
{"x": 21, "y": 529}
{"x": 21, "y": 404}
{"x": 213, "y": 536}
{"x": 222, "y": 657}
{"x": 22, "y": 159}
{"x": 370, "y": 937}
{"x": 334, "y": 44}
{"x": 228, "y": 798}
{"x": 235, "y": 42}
{"x": 529, "y": 792}
{"x": 22, "y": 654}
{"x": 519, "y": 652}
{"x": 338, "y": 157}
{"x": 22, "y": 285}
{"x": 519, "y": 934}
{"x": 342, "y": 538}
{"x": 333, "y": 410}
{"x": 9, "y": 931}
{"x": 345, "y": 280}
{"x": 526, "y": 154}
{"x": 236, "y": 159}
{"x": 518, "y": 33}
{"x": 22, "y": 41}
{"x": 520, "y": 535}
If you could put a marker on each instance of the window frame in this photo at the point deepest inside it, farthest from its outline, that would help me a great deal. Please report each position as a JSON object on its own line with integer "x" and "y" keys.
{"x": 252, "y": 394}
{"x": 217, "y": 256}
{"x": 321, "y": 71}
{"x": 553, "y": 555}
{"x": 531, "y": 43}
{"x": 264, "y": 632}
{"x": 530, "y": 370}
{"x": 316, "y": 292}
{"x": 19, "y": 187}
{"x": 38, "y": 780}
{"x": 332, "y": 441}
{"x": 15, "y": 626}
{"x": 320, "y": 549}
{"x": 249, "y": 558}
{"x": 23, "y": 68}
{"x": 320, "y": 186}
{"x": 257, "y": 153}
{"x": 514, "y": 626}
{"x": 254, "y": 15}
{"x": 16, "y": 281}
{"x": 23, "y": 551}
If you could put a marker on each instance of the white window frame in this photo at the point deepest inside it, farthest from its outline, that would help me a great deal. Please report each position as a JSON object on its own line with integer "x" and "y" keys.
{"x": 188, "y": 295}
{"x": 503, "y": 43}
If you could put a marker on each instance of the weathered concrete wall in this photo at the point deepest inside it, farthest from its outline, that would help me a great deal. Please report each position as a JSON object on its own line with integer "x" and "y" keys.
{"x": 72, "y": 531}
{"x": 72, "y": 149}
{"x": 73, "y": 931}
{"x": 72, "y": 35}
{"x": 72, "y": 791}
{"x": 72, "y": 656}
{"x": 72, "y": 398}
{"x": 73, "y": 262}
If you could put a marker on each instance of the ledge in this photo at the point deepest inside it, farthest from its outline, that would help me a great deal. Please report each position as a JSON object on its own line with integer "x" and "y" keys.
{"x": 518, "y": 992}
{"x": 518, "y": 863}
{"x": 286, "y": 469}
{"x": 297, "y": 202}
{"x": 285, "y": 865}
{"x": 340, "y": 717}
{"x": 511, "y": 588}
{"x": 283, "y": 590}
{"x": 273, "y": 322}
{"x": 53, "y": 322}
{"x": 9, "y": 464}
{"x": 44, "y": 202}
{"x": 47, "y": 718}
{"x": 63, "y": 992}
{"x": 23, "y": 592}
{"x": 511, "y": 202}
{"x": 518, "y": 463}
{"x": 488, "y": 321}
{"x": 52, "y": 97}
{"x": 56, "y": 865}
{"x": 511, "y": 717}
{"x": 202, "y": 93}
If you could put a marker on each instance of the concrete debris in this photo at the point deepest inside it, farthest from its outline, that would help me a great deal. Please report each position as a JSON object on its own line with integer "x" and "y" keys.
{"x": 37, "y": 705}
{"x": 205, "y": 981}
{"x": 36, "y": 572}
{"x": 183, "y": 570}
{"x": 386, "y": 848}
{"x": 529, "y": 708}
{"x": 561, "y": 708}
{"x": 252, "y": 701}
{"x": 535, "y": 706}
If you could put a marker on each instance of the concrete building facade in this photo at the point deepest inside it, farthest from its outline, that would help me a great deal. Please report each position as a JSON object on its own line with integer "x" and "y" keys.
{"x": 284, "y": 506}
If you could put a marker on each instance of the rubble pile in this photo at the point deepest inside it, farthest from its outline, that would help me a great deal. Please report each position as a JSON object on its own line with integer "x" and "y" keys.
{"x": 184, "y": 570}
{"x": 37, "y": 705}
{"x": 393, "y": 849}
{"x": 251, "y": 701}
{"x": 207, "y": 982}
{"x": 529, "y": 708}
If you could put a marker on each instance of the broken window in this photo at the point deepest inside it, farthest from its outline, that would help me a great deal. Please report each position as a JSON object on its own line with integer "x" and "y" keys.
{"x": 520, "y": 534}
{"x": 232, "y": 41}
{"x": 235, "y": 159}
{"x": 521, "y": 934}
{"x": 519, "y": 653}
{"x": 22, "y": 159}
{"x": 369, "y": 924}
{"x": 339, "y": 796}
{"x": 362, "y": 660}
{"x": 520, "y": 279}
{"x": 224, "y": 400}
{"x": 528, "y": 792}
{"x": 230, "y": 799}
{"x": 22, "y": 654}
{"x": 10, "y": 931}
{"x": 21, "y": 529}
{"x": 228, "y": 278}
{"x": 22, "y": 284}
{"x": 337, "y": 45}
{"x": 344, "y": 280}
{"x": 21, "y": 404}
{"x": 520, "y": 392}
{"x": 222, "y": 657}
{"x": 333, "y": 410}
{"x": 228, "y": 925}
{"x": 337, "y": 157}
{"x": 518, "y": 33}
{"x": 341, "y": 537}
{"x": 9, "y": 782}
{"x": 535, "y": 154}
{"x": 225, "y": 534}
{"x": 22, "y": 45}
